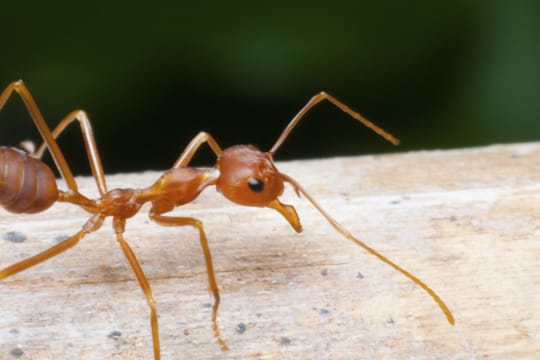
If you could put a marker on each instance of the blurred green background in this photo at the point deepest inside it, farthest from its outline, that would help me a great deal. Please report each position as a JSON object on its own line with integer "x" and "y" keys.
{"x": 153, "y": 74}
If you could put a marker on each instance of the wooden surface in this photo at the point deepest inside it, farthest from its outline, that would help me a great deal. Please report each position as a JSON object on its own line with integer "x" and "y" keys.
{"x": 464, "y": 221}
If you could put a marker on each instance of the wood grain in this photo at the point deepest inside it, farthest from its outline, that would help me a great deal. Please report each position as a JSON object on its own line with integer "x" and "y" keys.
{"x": 464, "y": 221}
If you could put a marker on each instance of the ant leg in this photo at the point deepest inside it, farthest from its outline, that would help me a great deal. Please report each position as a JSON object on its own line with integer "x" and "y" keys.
{"x": 317, "y": 99}
{"x": 119, "y": 227}
{"x": 89, "y": 142}
{"x": 93, "y": 224}
{"x": 39, "y": 121}
{"x": 145, "y": 286}
{"x": 194, "y": 145}
{"x": 42, "y": 256}
{"x": 183, "y": 221}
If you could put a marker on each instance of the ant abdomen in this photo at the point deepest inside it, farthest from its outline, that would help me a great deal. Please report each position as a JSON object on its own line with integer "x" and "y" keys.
{"x": 27, "y": 185}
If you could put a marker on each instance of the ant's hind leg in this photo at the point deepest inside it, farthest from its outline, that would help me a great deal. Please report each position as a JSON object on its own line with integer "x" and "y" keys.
{"x": 93, "y": 224}
{"x": 39, "y": 121}
{"x": 42, "y": 256}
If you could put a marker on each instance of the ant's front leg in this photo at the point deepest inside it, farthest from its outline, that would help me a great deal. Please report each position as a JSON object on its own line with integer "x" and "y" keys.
{"x": 187, "y": 221}
{"x": 194, "y": 145}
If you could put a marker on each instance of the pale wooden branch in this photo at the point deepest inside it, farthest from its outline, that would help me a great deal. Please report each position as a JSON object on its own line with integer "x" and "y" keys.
{"x": 464, "y": 221}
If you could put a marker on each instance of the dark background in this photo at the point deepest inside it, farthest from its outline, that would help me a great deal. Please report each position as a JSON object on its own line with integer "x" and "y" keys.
{"x": 153, "y": 74}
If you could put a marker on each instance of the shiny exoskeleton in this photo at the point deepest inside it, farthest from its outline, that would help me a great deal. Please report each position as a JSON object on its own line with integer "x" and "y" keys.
{"x": 27, "y": 185}
{"x": 243, "y": 174}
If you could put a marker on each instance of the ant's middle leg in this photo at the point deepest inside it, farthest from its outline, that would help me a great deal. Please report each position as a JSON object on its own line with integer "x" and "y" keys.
{"x": 89, "y": 143}
{"x": 119, "y": 227}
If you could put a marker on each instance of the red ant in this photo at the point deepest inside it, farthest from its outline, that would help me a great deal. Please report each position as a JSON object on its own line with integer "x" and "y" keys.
{"x": 243, "y": 174}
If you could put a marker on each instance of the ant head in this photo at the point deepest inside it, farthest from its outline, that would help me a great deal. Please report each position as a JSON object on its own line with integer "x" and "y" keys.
{"x": 249, "y": 177}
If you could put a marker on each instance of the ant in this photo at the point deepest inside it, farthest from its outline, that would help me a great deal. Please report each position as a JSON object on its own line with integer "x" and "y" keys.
{"x": 243, "y": 174}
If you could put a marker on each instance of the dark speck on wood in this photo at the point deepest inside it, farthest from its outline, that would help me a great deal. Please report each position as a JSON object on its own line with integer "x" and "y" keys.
{"x": 284, "y": 341}
{"x": 240, "y": 328}
{"x": 324, "y": 272}
{"x": 17, "y": 352}
{"x": 115, "y": 335}
{"x": 14, "y": 236}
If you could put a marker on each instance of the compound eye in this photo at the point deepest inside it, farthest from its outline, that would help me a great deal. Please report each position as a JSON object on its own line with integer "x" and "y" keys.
{"x": 256, "y": 185}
